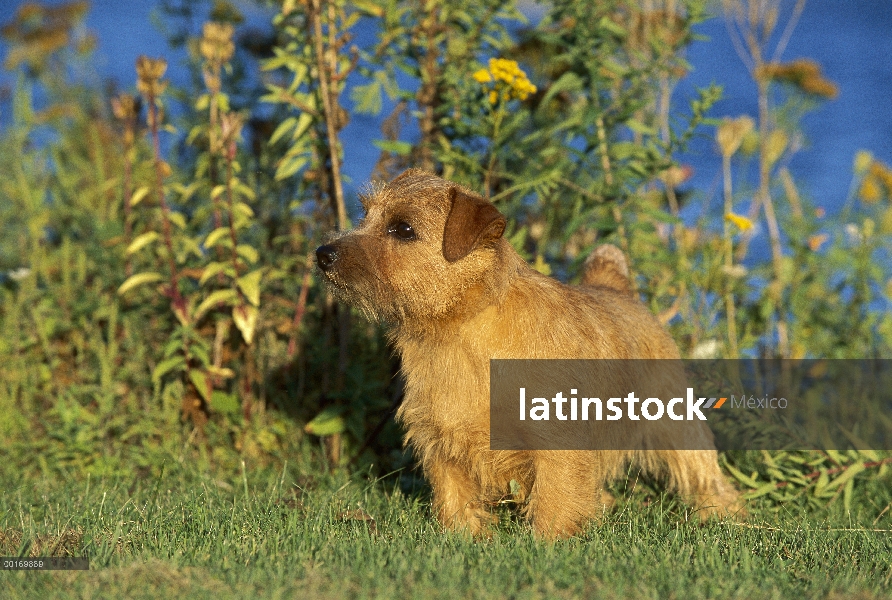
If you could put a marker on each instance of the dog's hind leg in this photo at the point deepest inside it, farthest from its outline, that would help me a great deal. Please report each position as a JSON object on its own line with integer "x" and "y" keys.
{"x": 696, "y": 477}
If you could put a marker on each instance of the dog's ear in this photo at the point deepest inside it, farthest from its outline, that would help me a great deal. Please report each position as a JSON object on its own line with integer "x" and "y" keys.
{"x": 472, "y": 222}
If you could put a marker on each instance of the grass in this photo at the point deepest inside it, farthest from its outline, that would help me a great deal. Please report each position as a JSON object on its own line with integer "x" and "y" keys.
{"x": 277, "y": 534}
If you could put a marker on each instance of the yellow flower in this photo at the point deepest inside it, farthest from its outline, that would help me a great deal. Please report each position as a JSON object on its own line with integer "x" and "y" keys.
{"x": 870, "y": 190}
{"x": 216, "y": 44}
{"x": 482, "y": 76}
{"x": 802, "y": 73}
{"x": 731, "y": 133}
{"x": 883, "y": 174}
{"x": 775, "y": 146}
{"x": 149, "y": 72}
{"x": 877, "y": 180}
{"x": 124, "y": 107}
{"x": 676, "y": 175}
{"x": 863, "y": 160}
{"x": 743, "y": 223}
{"x": 508, "y": 79}
{"x": 816, "y": 241}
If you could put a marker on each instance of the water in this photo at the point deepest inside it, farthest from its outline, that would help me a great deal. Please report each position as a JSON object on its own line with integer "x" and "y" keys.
{"x": 851, "y": 39}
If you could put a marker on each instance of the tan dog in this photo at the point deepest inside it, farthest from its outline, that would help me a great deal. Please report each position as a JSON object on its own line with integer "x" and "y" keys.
{"x": 429, "y": 258}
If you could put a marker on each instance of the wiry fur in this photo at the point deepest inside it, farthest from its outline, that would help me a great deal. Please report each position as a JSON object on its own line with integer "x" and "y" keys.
{"x": 450, "y": 318}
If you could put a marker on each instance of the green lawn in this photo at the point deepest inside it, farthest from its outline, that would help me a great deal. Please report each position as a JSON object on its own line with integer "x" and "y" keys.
{"x": 283, "y": 534}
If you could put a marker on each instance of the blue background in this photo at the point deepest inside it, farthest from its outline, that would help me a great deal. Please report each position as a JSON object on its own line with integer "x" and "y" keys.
{"x": 851, "y": 39}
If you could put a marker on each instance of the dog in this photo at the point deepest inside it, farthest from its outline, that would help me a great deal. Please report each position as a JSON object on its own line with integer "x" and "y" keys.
{"x": 430, "y": 260}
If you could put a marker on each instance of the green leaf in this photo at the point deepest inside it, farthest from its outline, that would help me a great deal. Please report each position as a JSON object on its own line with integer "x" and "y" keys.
{"x": 186, "y": 191}
{"x": 223, "y": 102}
{"x": 166, "y": 366}
{"x": 371, "y": 9}
{"x": 213, "y": 237}
{"x": 394, "y": 147}
{"x": 639, "y": 127}
{"x": 139, "y": 279}
{"x": 614, "y": 67}
{"x": 289, "y": 167}
{"x": 245, "y": 318}
{"x": 623, "y": 150}
{"x": 250, "y": 285}
{"x": 177, "y": 219}
{"x": 224, "y": 403}
{"x": 222, "y": 372}
{"x": 850, "y": 472}
{"x": 248, "y": 253}
{"x": 200, "y": 381}
{"x": 329, "y": 422}
{"x": 142, "y": 241}
{"x": 748, "y": 481}
{"x": 515, "y": 487}
{"x": 139, "y": 195}
{"x": 244, "y": 209}
{"x": 765, "y": 488}
{"x": 283, "y": 128}
{"x": 821, "y": 484}
{"x": 847, "y": 495}
{"x": 608, "y": 25}
{"x": 569, "y": 82}
{"x": 212, "y": 269}
{"x": 245, "y": 191}
{"x": 367, "y": 98}
{"x": 303, "y": 124}
{"x": 216, "y": 297}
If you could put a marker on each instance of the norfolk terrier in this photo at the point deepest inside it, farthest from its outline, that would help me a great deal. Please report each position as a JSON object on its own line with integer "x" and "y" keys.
{"x": 430, "y": 260}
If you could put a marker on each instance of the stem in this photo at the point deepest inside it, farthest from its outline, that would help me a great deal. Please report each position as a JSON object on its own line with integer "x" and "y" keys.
{"x": 816, "y": 474}
{"x": 230, "y": 201}
{"x": 212, "y": 155}
{"x": 791, "y": 192}
{"x": 497, "y": 125}
{"x": 193, "y": 408}
{"x": 301, "y": 307}
{"x": 771, "y": 218}
{"x": 326, "y": 63}
{"x": 755, "y": 34}
{"x": 174, "y": 290}
{"x": 730, "y": 308}
{"x": 608, "y": 179}
{"x": 678, "y": 231}
{"x": 128, "y": 192}
{"x": 324, "y": 55}
{"x": 427, "y": 92}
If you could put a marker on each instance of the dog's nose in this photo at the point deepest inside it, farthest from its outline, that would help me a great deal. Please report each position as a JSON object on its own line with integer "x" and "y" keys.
{"x": 325, "y": 256}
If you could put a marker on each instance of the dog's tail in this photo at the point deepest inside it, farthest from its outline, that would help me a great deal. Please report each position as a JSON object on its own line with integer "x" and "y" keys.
{"x": 607, "y": 267}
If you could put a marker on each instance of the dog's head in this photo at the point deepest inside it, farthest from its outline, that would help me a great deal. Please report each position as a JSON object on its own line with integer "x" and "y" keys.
{"x": 424, "y": 245}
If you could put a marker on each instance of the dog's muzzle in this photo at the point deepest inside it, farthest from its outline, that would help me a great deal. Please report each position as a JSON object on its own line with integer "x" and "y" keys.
{"x": 326, "y": 257}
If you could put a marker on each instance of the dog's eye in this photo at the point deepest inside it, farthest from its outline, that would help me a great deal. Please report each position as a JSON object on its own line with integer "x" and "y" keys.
{"x": 402, "y": 230}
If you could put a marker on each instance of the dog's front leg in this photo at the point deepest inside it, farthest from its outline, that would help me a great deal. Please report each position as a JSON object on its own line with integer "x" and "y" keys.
{"x": 568, "y": 490}
{"x": 457, "y": 498}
